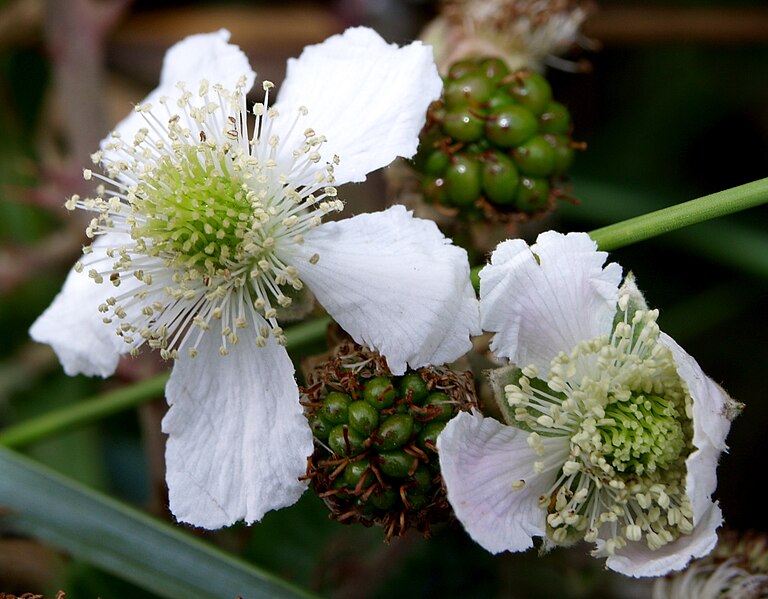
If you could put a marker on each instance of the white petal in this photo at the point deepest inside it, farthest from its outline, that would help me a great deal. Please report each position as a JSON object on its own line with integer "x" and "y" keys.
{"x": 238, "y": 441}
{"x": 73, "y": 326}
{"x": 203, "y": 56}
{"x": 206, "y": 56}
{"x": 367, "y": 97}
{"x": 710, "y": 427}
{"x": 636, "y": 559}
{"x": 482, "y": 462}
{"x": 394, "y": 283}
{"x": 547, "y": 298}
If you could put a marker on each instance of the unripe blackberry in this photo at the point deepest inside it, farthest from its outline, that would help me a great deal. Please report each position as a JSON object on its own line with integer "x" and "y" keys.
{"x": 375, "y": 456}
{"x": 334, "y": 409}
{"x": 496, "y": 143}
{"x": 500, "y": 178}
{"x": 462, "y": 179}
{"x": 509, "y": 125}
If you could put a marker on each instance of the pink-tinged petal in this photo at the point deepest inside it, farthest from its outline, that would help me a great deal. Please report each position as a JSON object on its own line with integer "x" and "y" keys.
{"x": 637, "y": 560}
{"x": 73, "y": 326}
{"x": 205, "y": 56}
{"x": 545, "y": 299}
{"x": 237, "y": 438}
{"x": 367, "y": 97}
{"x": 711, "y": 424}
{"x": 482, "y": 463}
{"x": 394, "y": 283}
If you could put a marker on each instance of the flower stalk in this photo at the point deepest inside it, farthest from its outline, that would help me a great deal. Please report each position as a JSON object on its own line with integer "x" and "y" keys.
{"x": 682, "y": 215}
{"x": 107, "y": 404}
{"x": 666, "y": 220}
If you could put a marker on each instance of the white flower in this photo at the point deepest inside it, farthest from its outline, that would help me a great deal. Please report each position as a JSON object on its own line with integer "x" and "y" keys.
{"x": 615, "y": 431}
{"x": 203, "y": 232}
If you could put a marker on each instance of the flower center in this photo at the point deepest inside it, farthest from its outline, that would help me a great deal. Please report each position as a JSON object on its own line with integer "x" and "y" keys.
{"x": 642, "y": 433}
{"x": 196, "y": 216}
{"x": 206, "y": 216}
{"x": 618, "y": 412}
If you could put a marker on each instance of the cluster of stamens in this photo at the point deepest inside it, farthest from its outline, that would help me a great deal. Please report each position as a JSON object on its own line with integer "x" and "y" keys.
{"x": 204, "y": 216}
{"x": 613, "y": 420}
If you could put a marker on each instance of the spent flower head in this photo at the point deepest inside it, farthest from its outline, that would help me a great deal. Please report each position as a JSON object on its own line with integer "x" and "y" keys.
{"x": 613, "y": 432}
{"x": 526, "y": 34}
{"x": 208, "y": 223}
{"x": 375, "y": 458}
{"x": 736, "y": 569}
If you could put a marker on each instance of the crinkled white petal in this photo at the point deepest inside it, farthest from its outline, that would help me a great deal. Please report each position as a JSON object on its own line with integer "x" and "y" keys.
{"x": 394, "y": 283}
{"x": 73, "y": 326}
{"x": 636, "y": 559}
{"x": 481, "y": 461}
{"x": 367, "y": 97}
{"x": 205, "y": 56}
{"x": 547, "y": 298}
{"x": 237, "y": 438}
{"x": 710, "y": 428}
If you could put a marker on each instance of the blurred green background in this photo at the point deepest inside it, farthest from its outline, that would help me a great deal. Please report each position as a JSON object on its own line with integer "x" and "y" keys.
{"x": 672, "y": 109}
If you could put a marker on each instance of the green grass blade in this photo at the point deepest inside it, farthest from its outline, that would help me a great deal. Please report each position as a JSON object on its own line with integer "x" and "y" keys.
{"x": 121, "y": 540}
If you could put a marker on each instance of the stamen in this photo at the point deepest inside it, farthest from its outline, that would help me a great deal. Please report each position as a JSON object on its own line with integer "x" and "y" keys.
{"x": 211, "y": 214}
{"x": 623, "y": 412}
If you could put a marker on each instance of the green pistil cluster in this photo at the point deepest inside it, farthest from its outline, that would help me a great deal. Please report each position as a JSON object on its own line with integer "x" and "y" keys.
{"x": 210, "y": 214}
{"x": 611, "y": 422}
{"x": 193, "y": 213}
{"x": 642, "y": 433}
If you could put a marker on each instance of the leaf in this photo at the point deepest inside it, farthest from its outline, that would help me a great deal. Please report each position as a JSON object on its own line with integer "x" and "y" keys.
{"x": 121, "y": 540}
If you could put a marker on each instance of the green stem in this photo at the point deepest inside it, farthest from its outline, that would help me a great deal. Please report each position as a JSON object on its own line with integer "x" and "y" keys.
{"x": 682, "y": 215}
{"x": 106, "y": 404}
{"x": 82, "y": 413}
{"x": 670, "y": 219}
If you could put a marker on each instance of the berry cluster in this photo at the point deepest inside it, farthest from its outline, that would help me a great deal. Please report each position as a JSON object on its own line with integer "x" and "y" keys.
{"x": 496, "y": 141}
{"x": 375, "y": 458}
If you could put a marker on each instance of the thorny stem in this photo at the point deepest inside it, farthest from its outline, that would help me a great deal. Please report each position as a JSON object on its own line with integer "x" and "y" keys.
{"x": 76, "y": 32}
